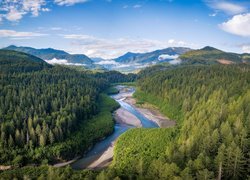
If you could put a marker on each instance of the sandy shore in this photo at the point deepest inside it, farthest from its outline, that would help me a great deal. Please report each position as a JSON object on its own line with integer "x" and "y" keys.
{"x": 104, "y": 160}
{"x": 121, "y": 116}
{"x": 125, "y": 117}
{"x": 66, "y": 163}
{"x": 151, "y": 114}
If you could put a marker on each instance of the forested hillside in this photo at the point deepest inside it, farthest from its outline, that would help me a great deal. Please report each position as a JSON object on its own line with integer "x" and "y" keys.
{"x": 49, "y": 54}
{"x": 210, "y": 55}
{"x": 211, "y": 140}
{"x": 43, "y": 107}
{"x": 116, "y": 77}
{"x": 53, "y": 113}
{"x": 12, "y": 61}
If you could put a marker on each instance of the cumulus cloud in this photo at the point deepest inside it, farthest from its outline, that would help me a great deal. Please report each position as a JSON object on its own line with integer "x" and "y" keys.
{"x": 238, "y": 25}
{"x": 33, "y": 6}
{"x": 69, "y": 2}
{"x": 16, "y": 9}
{"x": 227, "y": 7}
{"x": 19, "y": 35}
{"x": 14, "y": 15}
{"x": 112, "y": 48}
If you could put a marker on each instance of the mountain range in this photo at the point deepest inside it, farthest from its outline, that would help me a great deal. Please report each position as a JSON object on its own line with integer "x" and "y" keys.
{"x": 154, "y": 56}
{"x": 135, "y": 61}
{"x": 54, "y": 56}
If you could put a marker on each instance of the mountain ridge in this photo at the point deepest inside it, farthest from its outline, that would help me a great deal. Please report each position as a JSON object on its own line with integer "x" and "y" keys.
{"x": 50, "y": 54}
{"x": 14, "y": 61}
{"x": 211, "y": 55}
{"x": 152, "y": 56}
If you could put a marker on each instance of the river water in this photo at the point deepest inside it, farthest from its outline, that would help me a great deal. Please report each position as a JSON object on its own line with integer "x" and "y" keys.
{"x": 103, "y": 145}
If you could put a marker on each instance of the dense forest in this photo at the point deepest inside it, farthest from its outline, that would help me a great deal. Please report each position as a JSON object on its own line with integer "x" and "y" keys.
{"x": 116, "y": 77}
{"x": 13, "y": 62}
{"x": 49, "y": 113}
{"x": 54, "y": 113}
{"x": 211, "y": 140}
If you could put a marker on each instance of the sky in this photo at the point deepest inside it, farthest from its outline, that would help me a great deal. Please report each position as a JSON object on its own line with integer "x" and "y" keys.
{"x": 110, "y": 28}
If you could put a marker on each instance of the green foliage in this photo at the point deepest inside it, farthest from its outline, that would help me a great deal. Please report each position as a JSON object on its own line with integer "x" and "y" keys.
{"x": 88, "y": 134}
{"x": 171, "y": 110}
{"x": 125, "y": 83}
{"x": 46, "y": 172}
{"x": 209, "y": 55}
{"x": 53, "y": 53}
{"x": 12, "y": 61}
{"x": 47, "y": 113}
{"x": 116, "y": 77}
{"x": 138, "y": 147}
{"x": 111, "y": 90}
{"x": 212, "y": 138}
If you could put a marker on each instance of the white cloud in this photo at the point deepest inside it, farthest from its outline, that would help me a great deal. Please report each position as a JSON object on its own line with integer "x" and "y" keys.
{"x": 45, "y": 10}
{"x": 33, "y": 6}
{"x": 227, "y": 7}
{"x": 19, "y": 35}
{"x": 14, "y": 15}
{"x": 238, "y": 24}
{"x": 213, "y": 14}
{"x": 177, "y": 43}
{"x": 69, "y": 2}
{"x": 167, "y": 56}
{"x": 14, "y": 10}
{"x": 112, "y": 48}
{"x": 246, "y": 48}
{"x": 107, "y": 62}
{"x": 62, "y": 62}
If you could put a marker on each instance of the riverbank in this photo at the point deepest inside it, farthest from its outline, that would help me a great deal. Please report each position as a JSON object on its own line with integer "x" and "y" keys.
{"x": 123, "y": 116}
{"x": 151, "y": 113}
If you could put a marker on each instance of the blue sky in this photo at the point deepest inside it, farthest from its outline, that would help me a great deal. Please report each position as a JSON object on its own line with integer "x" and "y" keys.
{"x": 110, "y": 28}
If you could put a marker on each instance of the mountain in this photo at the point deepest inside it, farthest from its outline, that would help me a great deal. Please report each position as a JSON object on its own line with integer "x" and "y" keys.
{"x": 54, "y": 56}
{"x": 13, "y": 61}
{"x": 211, "y": 55}
{"x": 152, "y": 57}
{"x": 97, "y": 59}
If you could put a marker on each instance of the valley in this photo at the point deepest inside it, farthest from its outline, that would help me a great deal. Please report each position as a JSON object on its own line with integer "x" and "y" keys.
{"x": 124, "y": 90}
{"x": 167, "y": 121}
{"x": 126, "y": 117}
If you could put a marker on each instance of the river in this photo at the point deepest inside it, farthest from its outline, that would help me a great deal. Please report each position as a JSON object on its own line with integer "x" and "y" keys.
{"x": 119, "y": 128}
